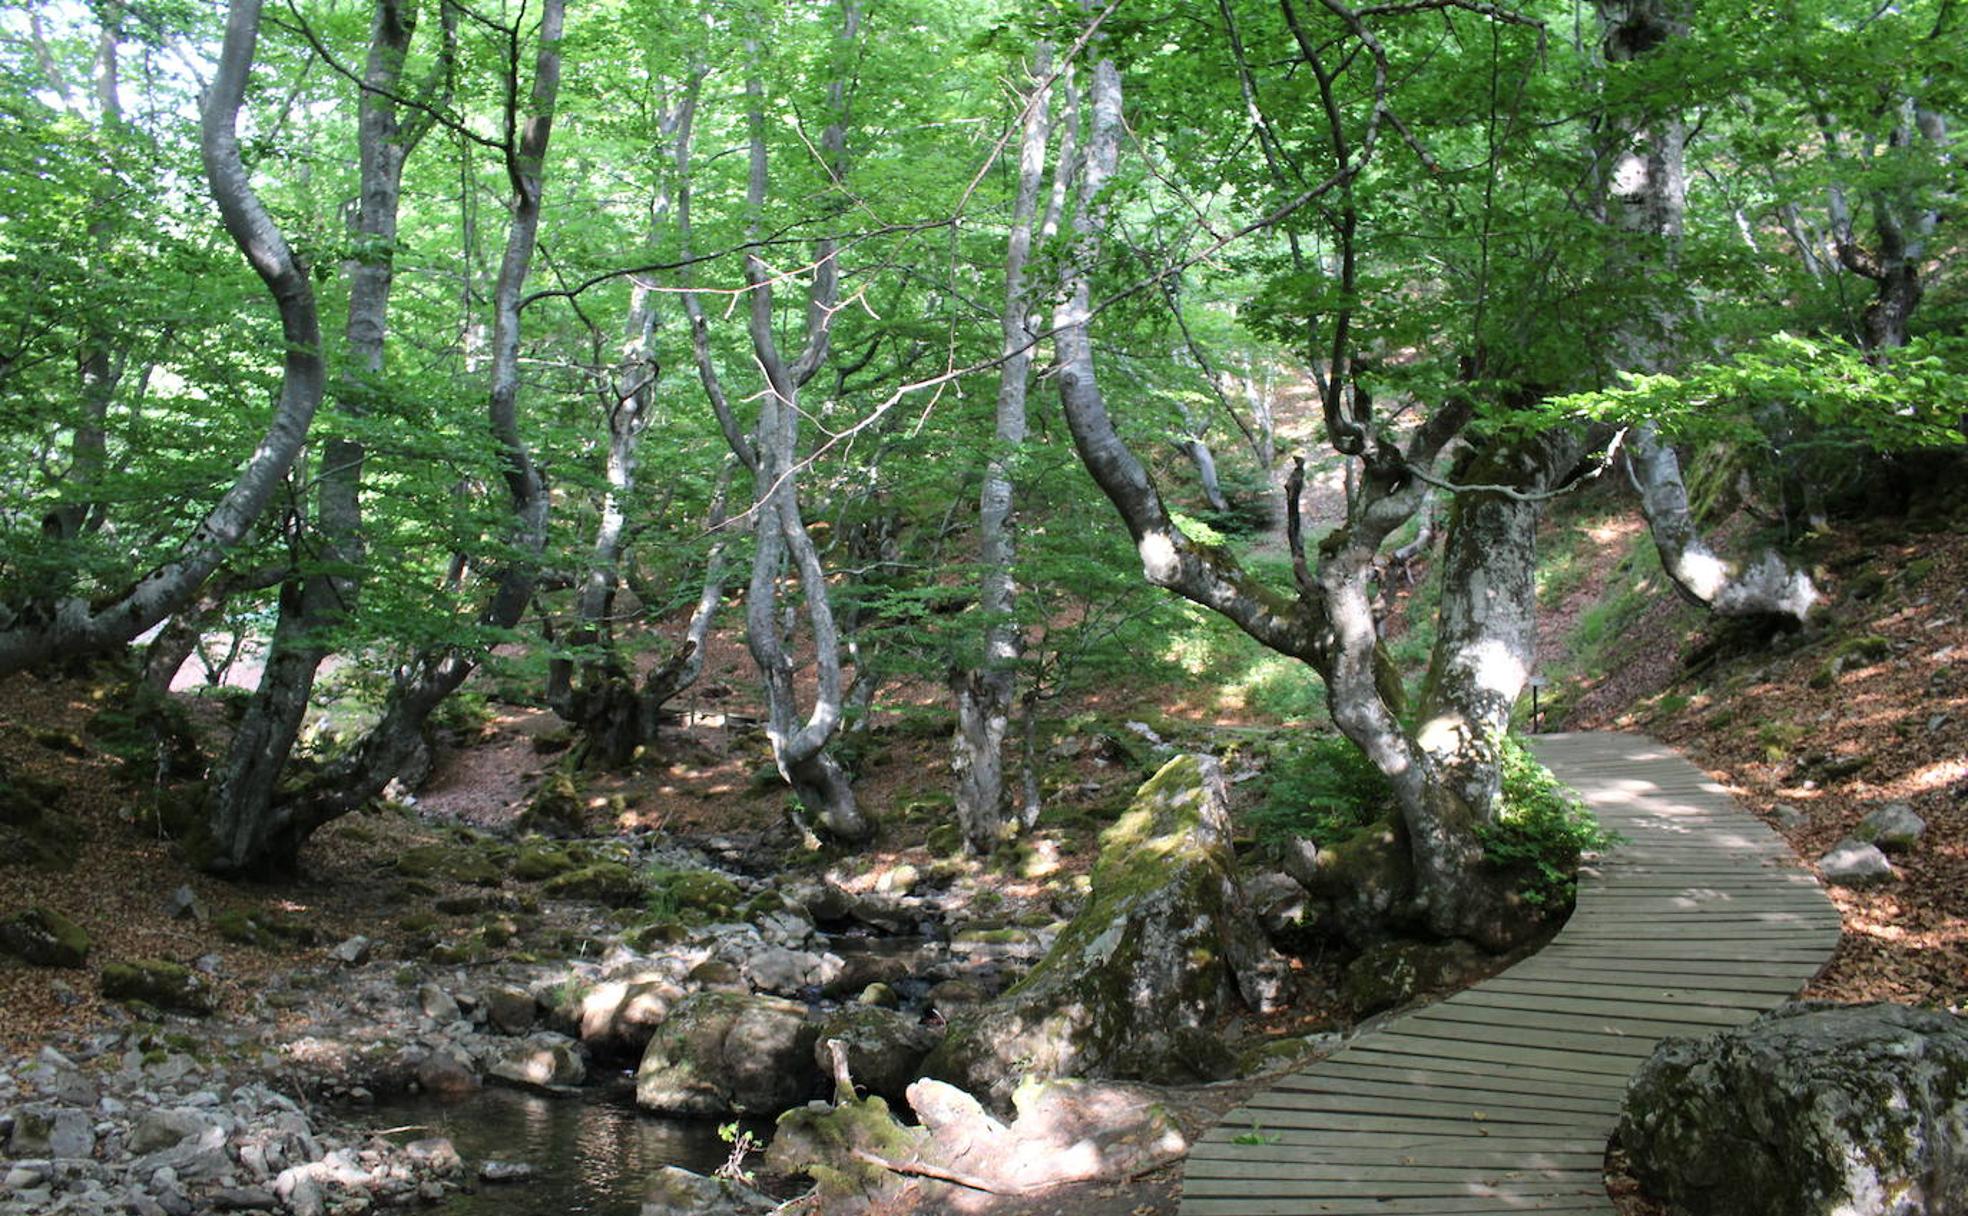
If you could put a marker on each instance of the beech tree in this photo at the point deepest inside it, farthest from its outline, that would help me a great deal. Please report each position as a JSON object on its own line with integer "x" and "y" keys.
{"x": 771, "y": 451}
{"x": 320, "y": 593}
{"x": 266, "y": 834}
{"x": 50, "y": 621}
{"x": 983, "y": 694}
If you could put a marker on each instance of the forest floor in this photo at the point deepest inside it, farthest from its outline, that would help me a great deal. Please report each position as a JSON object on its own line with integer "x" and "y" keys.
{"x": 1809, "y": 722}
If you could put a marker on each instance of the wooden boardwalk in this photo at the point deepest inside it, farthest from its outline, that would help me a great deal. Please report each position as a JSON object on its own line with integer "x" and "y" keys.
{"x": 1501, "y": 1098}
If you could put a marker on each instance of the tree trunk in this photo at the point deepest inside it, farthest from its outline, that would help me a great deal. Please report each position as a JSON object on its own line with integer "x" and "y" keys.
{"x": 271, "y": 841}
{"x": 1647, "y": 197}
{"x": 1485, "y": 648}
{"x": 100, "y": 363}
{"x": 1764, "y": 586}
{"x": 984, "y": 695}
{"x": 36, "y": 633}
{"x": 321, "y": 594}
{"x": 772, "y": 453}
{"x": 595, "y": 689}
{"x": 1197, "y": 449}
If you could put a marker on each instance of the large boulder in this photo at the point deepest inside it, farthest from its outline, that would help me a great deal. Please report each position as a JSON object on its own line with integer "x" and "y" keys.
{"x": 862, "y": 1160}
{"x": 1813, "y": 1109}
{"x": 617, "y": 1017}
{"x": 885, "y": 1049}
{"x": 1136, "y": 982}
{"x": 721, "y": 1053}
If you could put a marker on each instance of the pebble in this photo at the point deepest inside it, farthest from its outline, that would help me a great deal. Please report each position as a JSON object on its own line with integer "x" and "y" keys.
{"x": 505, "y": 1171}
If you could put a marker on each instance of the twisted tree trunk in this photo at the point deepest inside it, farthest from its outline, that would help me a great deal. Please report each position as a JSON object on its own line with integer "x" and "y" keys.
{"x": 320, "y": 593}
{"x": 37, "y": 632}
{"x": 271, "y": 841}
{"x": 1444, "y": 773}
{"x": 1646, "y": 193}
{"x": 799, "y": 744}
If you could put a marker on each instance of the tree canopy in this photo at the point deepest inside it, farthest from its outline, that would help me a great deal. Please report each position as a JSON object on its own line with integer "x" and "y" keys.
{"x": 607, "y": 319}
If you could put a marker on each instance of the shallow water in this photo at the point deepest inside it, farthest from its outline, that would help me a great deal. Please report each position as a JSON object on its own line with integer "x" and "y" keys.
{"x": 590, "y": 1153}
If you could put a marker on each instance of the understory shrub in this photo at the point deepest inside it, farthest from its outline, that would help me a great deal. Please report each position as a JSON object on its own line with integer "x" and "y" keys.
{"x": 1325, "y": 789}
{"x": 1540, "y": 830}
{"x": 1322, "y": 789}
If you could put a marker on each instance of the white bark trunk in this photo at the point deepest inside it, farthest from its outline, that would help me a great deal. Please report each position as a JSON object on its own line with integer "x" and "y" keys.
{"x": 421, "y": 686}
{"x": 313, "y": 603}
{"x": 984, "y": 696}
{"x": 1647, "y": 196}
{"x": 799, "y": 745}
{"x": 76, "y": 626}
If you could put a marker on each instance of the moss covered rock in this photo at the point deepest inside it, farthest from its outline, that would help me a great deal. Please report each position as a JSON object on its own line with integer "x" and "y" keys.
{"x": 838, "y": 1146}
{"x": 885, "y": 1049}
{"x": 32, "y": 832}
{"x": 705, "y": 892}
{"x": 540, "y": 862}
{"x": 262, "y": 928}
{"x": 720, "y": 1053}
{"x": 450, "y": 862}
{"x": 1396, "y": 972}
{"x": 556, "y": 809}
{"x": 166, "y": 985}
{"x": 606, "y": 882}
{"x": 45, "y": 938}
{"x": 1134, "y": 984}
{"x": 1810, "y": 1110}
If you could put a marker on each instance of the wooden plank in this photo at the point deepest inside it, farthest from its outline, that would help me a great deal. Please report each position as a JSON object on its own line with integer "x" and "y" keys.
{"x": 1393, "y": 1148}
{"x": 1473, "y": 1092}
{"x": 1469, "y": 1186}
{"x": 1616, "y": 1065}
{"x": 1577, "y": 1049}
{"x": 1682, "y": 991}
{"x": 1692, "y": 1016}
{"x": 1383, "y": 1175}
{"x": 1728, "y": 974}
{"x": 1280, "y": 1108}
{"x": 1469, "y": 1152}
{"x": 1402, "y": 1118}
{"x": 1690, "y": 979}
{"x": 1391, "y": 1054}
{"x": 1530, "y": 1082}
{"x": 1666, "y": 907}
{"x": 1544, "y": 1018}
{"x": 1698, "y": 942}
{"x": 1700, "y": 929}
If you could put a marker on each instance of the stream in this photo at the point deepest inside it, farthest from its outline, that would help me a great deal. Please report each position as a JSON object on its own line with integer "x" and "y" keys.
{"x": 590, "y": 1154}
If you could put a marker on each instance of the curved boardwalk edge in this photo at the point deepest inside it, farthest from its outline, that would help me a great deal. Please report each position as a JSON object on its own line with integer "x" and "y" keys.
{"x": 1501, "y": 1098}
